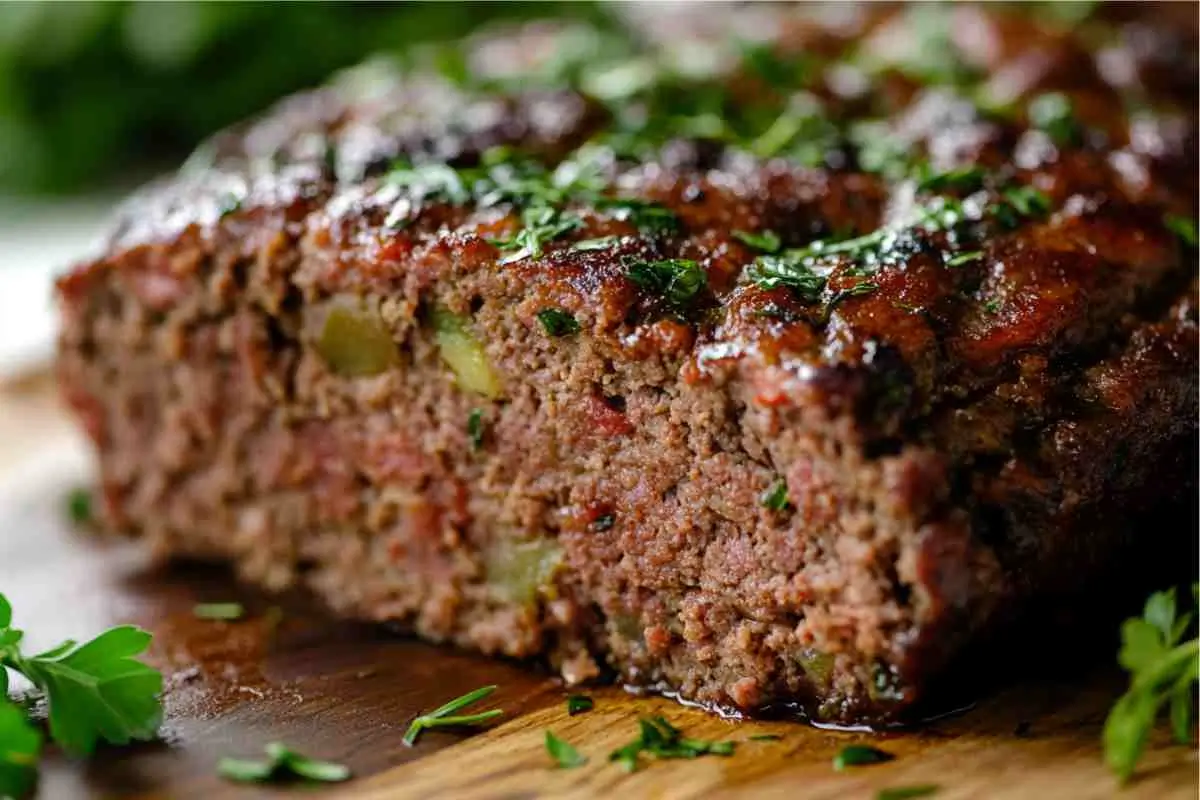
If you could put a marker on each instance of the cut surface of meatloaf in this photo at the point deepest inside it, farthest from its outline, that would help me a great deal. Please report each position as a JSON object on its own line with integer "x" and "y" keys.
{"x": 769, "y": 372}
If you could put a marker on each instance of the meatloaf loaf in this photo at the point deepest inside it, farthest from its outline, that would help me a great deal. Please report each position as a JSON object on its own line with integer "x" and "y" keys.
{"x": 760, "y": 355}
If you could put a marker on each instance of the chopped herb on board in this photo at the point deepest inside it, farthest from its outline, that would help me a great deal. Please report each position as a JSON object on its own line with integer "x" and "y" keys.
{"x": 765, "y": 737}
{"x": 445, "y": 716}
{"x": 579, "y": 704}
{"x": 218, "y": 611}
{"x": 281, "y": 763}
{"x": 564, "y": 755}
{"x": 557, "y": 322}
{"x": 661, "y": 739}
{"x": 1163, "y": 669}
{"x": 906, "y": 792}
{"x": 858, "y": 755}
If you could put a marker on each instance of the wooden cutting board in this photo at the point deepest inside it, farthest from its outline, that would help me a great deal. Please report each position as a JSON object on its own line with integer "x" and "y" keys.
{"x": 347, "y": 692}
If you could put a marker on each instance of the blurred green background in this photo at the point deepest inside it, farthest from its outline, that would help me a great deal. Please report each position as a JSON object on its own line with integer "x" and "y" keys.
{"x": 92, "y": 90}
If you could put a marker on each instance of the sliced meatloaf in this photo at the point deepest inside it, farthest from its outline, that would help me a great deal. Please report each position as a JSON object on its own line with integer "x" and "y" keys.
{"x": 764, "y": 355}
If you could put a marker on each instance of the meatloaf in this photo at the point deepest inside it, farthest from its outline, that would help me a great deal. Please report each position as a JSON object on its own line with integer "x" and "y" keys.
{"x": 759, "y": 355}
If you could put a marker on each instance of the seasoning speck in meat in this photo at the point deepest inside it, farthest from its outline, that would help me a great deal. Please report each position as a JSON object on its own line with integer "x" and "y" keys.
{"x": 764, "y": 371}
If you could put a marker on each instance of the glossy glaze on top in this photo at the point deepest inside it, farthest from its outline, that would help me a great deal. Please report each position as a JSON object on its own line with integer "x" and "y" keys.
{"x": 912, "y": 127}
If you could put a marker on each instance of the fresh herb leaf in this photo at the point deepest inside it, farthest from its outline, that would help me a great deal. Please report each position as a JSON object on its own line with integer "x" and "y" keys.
{"x": 79, "y": 506}
{"x": 660, "y": 739}
{"x": 1182, "y": 227}
{"x": 97, "y": 690}
{"x": 765, "y": 737}
{"x": 563, "y": 753}
{"x": 444, "y": 716}
{"x": 475, "y": 428}
{"x": 579, "y": 703}
{"x": 776, "y": 498}
{"x": 766, "y": 241}
{"x": 676, "y": 280}
{"x": 857, "y": 755}
{"x": 959, "y": 259}
{"x": 992, "y": 306}
{"x": 281, "y": 763}
{"x": 557, "y": 322}
{"x": 218, "y": 611}
{"x": 1164, "y": 670}
{"x": 906, "y": 792}
{"x": 20, "y": 747}
{"x": 1054, "y": 114}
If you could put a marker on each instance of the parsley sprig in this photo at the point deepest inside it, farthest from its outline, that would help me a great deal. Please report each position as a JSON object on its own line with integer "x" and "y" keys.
{"x": 1163, "y": 669}
{"x": 94, "y": 691}
{"x": 20, "y": 746}
{"x": 661, "y": 739}
{"x": 445, "y": 716}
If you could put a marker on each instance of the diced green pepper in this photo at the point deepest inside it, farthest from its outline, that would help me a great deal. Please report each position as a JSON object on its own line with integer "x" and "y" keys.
{"x": 354, "y": 342}
{"x": 463, "y": 354}
{"x": 520, "y": 571}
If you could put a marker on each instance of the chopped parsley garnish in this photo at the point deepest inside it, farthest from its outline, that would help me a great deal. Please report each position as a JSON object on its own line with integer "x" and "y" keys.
{"x": 218, "y": 611}
{"x": 858, "y": 755}
{"x": 661, "y": 739}
{"x": 431, "y": 181}
{"x": 676, "y": 280}
{"x": 20, "y": 747}
{"x": 959, "y": 259}
{"x": 1182, "y": 227}
{"x": 1019, "y": 202}
{"x": 557, "y": 322}
{"x": 475, "y": 428}
{"x": 906, "y": 792}
{"x": 541, "y": 224}
{"x": 1054, "y": 114}
{"x": 766, "y": 241}
{"x": 765, "y": 737}
{"x": 281, "y": 763}
{"x": 603, "y": 522}
{"x": 445, "y": 716}
{"x": 579, "y": 704}
{"x": 228, "y": 204}
{"x": 776, "y": 498}
{"x": 992, "y": 306}
{"x": 1163, "y": 670}
{"x": 79, "y": 506}
{"x": 962, "y": 179}
{"x": 789, "y": 270}
{"x": 644, "y": 215}
{"x": 96, "y": 690}
{"x": 564, "y": 755}
{"x": 600, "y": 243}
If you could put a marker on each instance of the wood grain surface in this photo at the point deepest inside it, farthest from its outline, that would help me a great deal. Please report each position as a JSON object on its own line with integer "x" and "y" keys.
{"x": 347, "y": 692}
